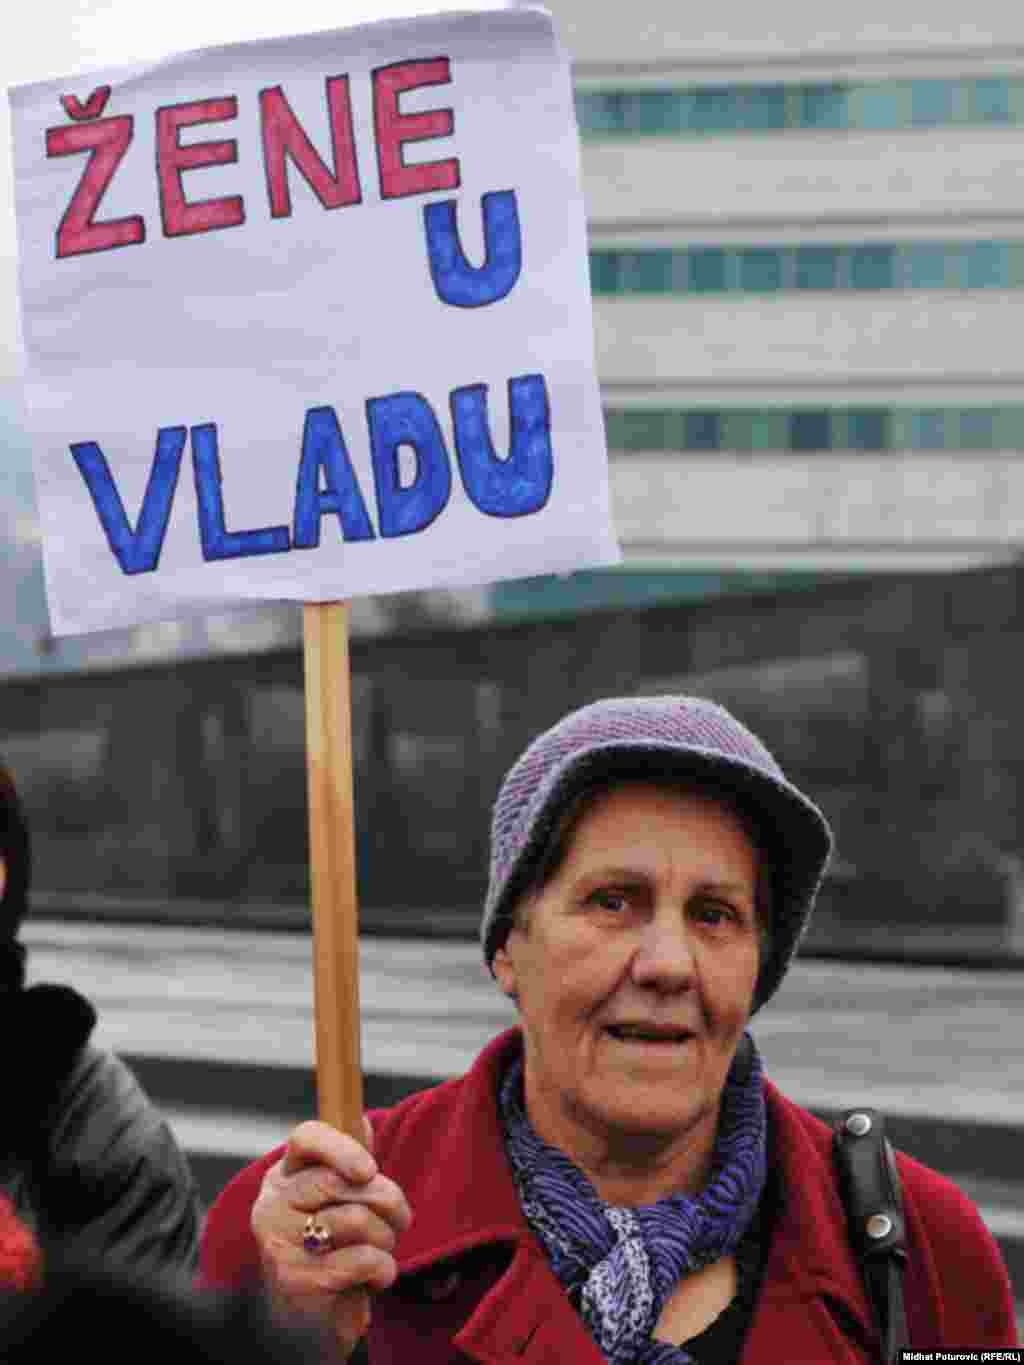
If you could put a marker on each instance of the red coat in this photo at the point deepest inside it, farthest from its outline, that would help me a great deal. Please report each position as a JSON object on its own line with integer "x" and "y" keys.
{"x": 474, "y": 1283}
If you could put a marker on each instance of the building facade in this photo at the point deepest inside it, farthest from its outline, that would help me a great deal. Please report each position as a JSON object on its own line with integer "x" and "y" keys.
{"x": 807, "y": 255}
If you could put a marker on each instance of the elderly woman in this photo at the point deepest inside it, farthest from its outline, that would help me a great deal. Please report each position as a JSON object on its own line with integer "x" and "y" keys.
{"x": 614, "y": 1180}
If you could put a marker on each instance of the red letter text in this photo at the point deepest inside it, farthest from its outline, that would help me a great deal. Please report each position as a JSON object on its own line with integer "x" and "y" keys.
{"x": 284, "y": 136}
{"x": 393, "y": 129}
{"x": 172, "y": 159}
{"x": 107, "y": 141}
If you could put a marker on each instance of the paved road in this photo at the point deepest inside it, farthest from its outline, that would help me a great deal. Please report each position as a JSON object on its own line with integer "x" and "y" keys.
{"x": 915, "y": 1041}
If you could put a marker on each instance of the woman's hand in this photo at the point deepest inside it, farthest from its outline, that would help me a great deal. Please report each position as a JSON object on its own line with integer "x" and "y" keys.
{"x": 328, "y": 1176}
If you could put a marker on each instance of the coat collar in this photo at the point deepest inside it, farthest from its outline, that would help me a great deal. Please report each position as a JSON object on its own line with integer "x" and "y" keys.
{"x": 466, "y": 1191}
{"x": 469, "y": 1201}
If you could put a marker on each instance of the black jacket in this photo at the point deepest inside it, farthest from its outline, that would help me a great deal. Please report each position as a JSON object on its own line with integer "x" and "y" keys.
{"x": 88, "y": 1162}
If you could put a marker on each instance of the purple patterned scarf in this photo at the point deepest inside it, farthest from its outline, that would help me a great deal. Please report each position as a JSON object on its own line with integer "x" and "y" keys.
{"x": 620, "y": 1264}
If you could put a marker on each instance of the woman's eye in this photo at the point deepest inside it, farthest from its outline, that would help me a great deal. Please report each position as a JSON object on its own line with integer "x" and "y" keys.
{"x": 715, "y": 914}
{"x": 610, "y": 900}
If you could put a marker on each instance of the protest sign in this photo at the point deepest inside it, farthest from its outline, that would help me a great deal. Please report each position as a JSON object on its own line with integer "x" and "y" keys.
{"x": 308, "y": 318}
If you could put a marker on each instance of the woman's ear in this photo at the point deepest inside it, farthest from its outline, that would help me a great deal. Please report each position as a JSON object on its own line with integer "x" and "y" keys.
{"x": 505, "y": 971}
{"x": 3, "y": 877}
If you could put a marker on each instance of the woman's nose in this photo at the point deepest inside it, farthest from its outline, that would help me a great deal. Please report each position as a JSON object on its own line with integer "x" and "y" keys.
{"x": 664, "y": 956}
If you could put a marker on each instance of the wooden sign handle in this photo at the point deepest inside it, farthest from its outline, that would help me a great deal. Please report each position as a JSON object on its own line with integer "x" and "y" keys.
{"x": 332, "y": 842}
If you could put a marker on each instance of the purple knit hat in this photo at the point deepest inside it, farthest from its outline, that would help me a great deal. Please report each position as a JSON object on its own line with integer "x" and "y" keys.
{"x": 661, "y": 739}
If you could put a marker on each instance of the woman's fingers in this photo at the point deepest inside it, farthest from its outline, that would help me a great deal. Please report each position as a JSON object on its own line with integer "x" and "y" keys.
{"x": 318, "y": 1144}
{"x": 322, "y": 1278}
{"x": 317, "y": 1187}
{"x": 322, "y": 1166}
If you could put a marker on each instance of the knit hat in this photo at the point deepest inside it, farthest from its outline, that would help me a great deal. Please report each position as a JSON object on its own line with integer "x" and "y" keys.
{"x": 659, "y": 739}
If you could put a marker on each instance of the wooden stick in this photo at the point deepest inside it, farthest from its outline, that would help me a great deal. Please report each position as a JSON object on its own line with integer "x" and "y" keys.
{"x": 332, "y": 846}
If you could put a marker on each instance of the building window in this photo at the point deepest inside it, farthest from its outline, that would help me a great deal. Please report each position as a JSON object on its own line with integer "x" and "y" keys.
{"x": 884, "y": 105}
{"x": 655, "y": 111}
{"x": 763, "y": 108}
{"x": 810, "y": 430}
{"x": 707, "y": 270}
{"x": 599, "y": 112}
{"x": 1014, "y": 264}
{"x": 1009, "y": 427}
{"x": 824, "y": 106}
{"x": 933, "y": 103}
{"x": 702, "y": 431}
{"x": 977, "y": 429}
{"x": 866, "y": 429}
{"x": 767, "y": 269}
{"x": 760, "y": 270}
{"x": 986, "y": 265}
{"x": 806, "y": 430}
{"x": 871, "y": 267}
{"x": 817, "y": 267}
{"x": 736, "y": 431}
{"x": 929, "y": 265}
{"x": 653, "y": 429}
{"x": 989, "y": 102}
{"x": 604, "y": 272}
{"x": 714, "y": 110}
{"x": 833, "y": 106}
{"x": 928, "y": 429}
{"x": 767, "y": 430}
{"x": 645, "y": 272}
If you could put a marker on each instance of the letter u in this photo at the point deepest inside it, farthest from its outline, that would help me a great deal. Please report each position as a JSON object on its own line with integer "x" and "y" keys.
{"x": 520, "y": 484}
{"x": 455, "y": 280}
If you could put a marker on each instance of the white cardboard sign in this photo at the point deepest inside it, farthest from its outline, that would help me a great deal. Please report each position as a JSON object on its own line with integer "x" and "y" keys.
{"x": 308, "y": 318}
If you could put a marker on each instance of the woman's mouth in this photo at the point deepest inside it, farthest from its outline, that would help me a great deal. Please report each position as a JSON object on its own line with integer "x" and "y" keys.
{"x": 656, "y": 1034}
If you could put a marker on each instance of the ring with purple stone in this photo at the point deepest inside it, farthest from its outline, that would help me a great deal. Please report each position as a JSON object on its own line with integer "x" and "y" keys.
{"x": 316, "y": 1239}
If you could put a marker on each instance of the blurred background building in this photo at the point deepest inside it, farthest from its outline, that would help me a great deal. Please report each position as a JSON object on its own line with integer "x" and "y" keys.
{"x": 807, "y": 258}
{"x": 807, "y": 253}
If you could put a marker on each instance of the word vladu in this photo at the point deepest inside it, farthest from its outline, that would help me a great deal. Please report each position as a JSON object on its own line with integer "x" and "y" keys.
{"x": 514, "y": 483}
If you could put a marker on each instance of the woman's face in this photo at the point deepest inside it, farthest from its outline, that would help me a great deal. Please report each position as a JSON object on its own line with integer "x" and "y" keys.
{"x": 634, "y": 969}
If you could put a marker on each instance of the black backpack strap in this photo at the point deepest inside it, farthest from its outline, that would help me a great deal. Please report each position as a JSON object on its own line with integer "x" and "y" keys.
{"x": 870, "y": 1187}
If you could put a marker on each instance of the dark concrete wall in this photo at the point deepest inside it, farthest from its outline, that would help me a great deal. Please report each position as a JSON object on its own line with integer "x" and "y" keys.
{"x": 894, "y": 702}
